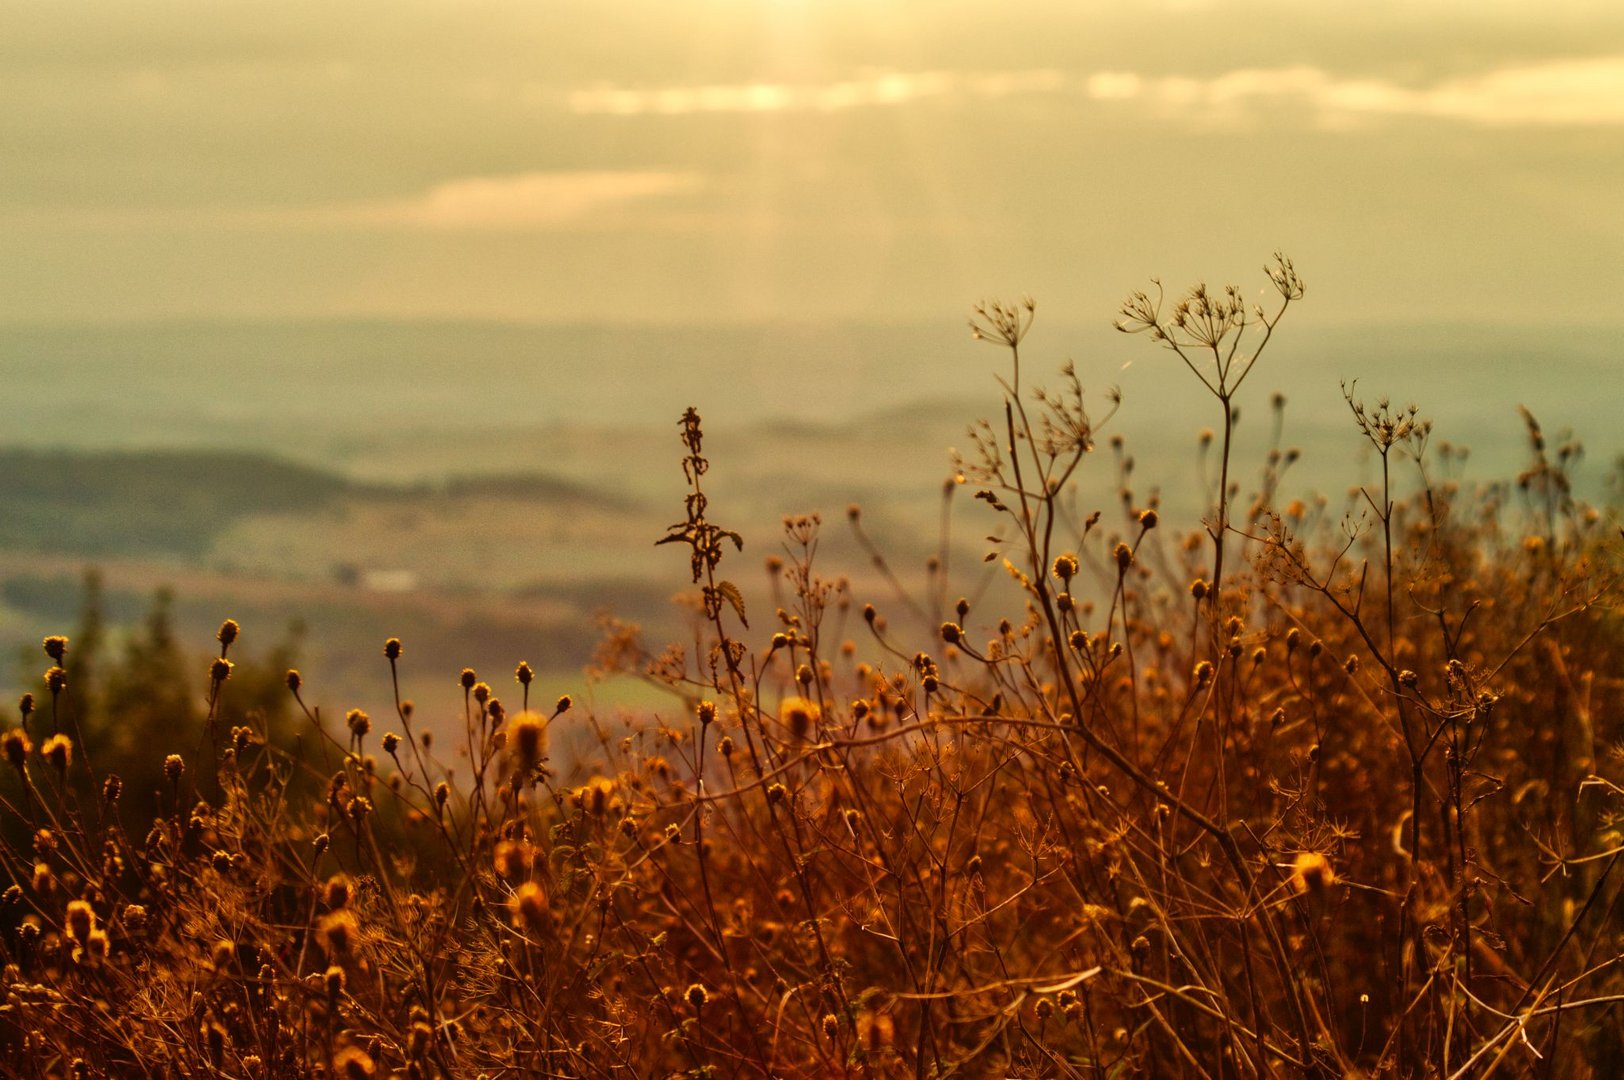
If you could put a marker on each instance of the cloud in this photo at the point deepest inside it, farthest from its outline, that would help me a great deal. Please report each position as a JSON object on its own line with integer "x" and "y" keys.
{"x": 869, "y": 89}
{"x": 1558, "y": 93}
{"x": 536, "y": 200}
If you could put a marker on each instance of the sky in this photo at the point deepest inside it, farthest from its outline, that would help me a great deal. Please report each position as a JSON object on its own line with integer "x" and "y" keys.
{"x": 653, "y": 161}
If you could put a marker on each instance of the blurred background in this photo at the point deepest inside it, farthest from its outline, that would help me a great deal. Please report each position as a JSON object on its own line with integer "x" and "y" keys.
{"x": 371, "y": 320}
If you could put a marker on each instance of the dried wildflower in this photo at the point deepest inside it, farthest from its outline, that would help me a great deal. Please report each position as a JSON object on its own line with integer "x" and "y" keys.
{"x": 725, "y": 746}
{"x": 1066, "y": 567}
{"x": 776, "y": 793}
{"x": 1123, "y": 554}
{"x": 528, "y": 908}
{"x": 174, "y": 768}
{"x": 353, "y": 1063}
{"x": 358, "y": 722}
{"x": 16, "y": 746}
{"x": 1203, "y": 673}
{"x": 799, "y": 714}
{"x": 1147, "y": 520}
{"x": 227, "y": 633}
{"x": 56, "y": 647}
{"x": 135, "y": 917}
{"x": 336, "y": 932}
{"x": 58, "y": 751}
{"x": 358, "y": 808}
{"x": 697, "y": 996}
{"x": 482, "y": 692}
{"x": 220, "y": 670}
{"x": 112, "y": 787}
{"x": 94, "y": 949}
{"x": 563, "y": 705}
{"x": 1311, "y": 872}
{"x": 513, "y": 859}
{"x": 467, "y": 679}
{"x": 80, "y": 921}
{"x": 333, "y": 979}
{"x": 56, "y": 680}
{"x": 336, "y": 893}
{"x": 527, "y": 741}
{"x": 391, "y": 743}
{"x": 524, "y": 674}
{"x": 442, "y": 794}
{"x": 294, "y": 680}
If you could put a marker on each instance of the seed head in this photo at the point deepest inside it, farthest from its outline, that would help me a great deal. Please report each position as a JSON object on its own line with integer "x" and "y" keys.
{"x": 294, "y": 680}
{"x": 1311, "y": 872}
{"x": 227, "y": 633}
{"x": 1123, "y": 555}
{"x": 527, "y": 740}
{"x": 391, "y": 742}
{"x": 1065, "y": 567}
{"x": 17, "y": 747}
{"x": 697, "y": 996}
{"x": 80, "y": 921}
{"x": 468, "y": 678}
{"x": 174, "y": 768}
{"x": 334, "y": 980}
{"x": 56, "y": 680}
{"x": 353, "y": 1063}
{"x": 391, "y": 648}
{"x": 58, "y": 750}
{"x": 524, "y": 673}
{"x": 336, "y": 932}
{"x": 220, "y": 670}
{"x": 528, "y": 908}
{"x": 563, "y": 705}
{"x": 358, "y": 722}
{"x": 56, "y": 647}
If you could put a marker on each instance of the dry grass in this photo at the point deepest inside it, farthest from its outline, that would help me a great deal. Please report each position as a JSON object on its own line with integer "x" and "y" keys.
{"x": 1285, "y": 793}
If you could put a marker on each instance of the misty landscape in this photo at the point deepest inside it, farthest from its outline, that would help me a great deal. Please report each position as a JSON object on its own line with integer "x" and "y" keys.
{"x": 811, "y": 538}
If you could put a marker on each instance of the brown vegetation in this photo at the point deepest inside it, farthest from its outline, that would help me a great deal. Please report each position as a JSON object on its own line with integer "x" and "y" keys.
{"x": 1289, "y": 793}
